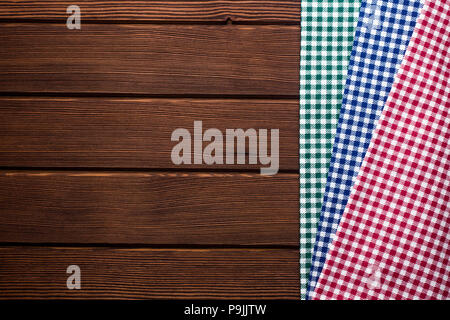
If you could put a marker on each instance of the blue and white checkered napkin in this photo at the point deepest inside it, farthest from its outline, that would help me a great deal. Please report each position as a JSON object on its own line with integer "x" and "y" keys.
{"x": 381, "y": 38}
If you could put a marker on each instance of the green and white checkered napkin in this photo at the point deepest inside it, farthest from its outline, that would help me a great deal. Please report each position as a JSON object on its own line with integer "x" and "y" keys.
{"x": 327, "y": 28}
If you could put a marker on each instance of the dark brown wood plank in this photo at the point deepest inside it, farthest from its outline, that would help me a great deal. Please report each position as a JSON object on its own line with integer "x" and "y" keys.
{"x": 106, "y": 273}
{"x": 130, "y": 133}
{"x": 150, "y": 59}
{"x": 287, "y": 11}
{"x": 148, "y": 208}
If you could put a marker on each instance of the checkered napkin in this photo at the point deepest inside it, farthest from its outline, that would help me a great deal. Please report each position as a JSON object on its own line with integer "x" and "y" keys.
{"x": 381, "y": 37}
{"x": 394, "y": 238}
{"x": 327, "y": 28}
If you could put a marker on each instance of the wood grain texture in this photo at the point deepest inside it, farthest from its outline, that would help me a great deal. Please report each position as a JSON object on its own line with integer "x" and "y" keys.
{"x": 287, "y": 11}
{"x": 87, "y": 114}
{"x": 148, "y": 208}
{"x": 150, "y": 59}
{"x": 130, "y": 133}
{"x": 106, "y": 273}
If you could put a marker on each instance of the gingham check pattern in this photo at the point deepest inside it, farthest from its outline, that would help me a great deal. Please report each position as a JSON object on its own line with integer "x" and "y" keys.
{"x": 381, "y": 37}
{"x": 327, "y": 28}
{"x": 394, "y": 238}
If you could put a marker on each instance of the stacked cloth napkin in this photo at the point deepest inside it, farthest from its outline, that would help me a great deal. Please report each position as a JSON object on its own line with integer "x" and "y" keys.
{"x": 389, "y": 194}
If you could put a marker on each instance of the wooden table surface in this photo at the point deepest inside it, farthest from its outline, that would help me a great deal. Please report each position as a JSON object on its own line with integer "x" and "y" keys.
{"x": 86, "y": 176}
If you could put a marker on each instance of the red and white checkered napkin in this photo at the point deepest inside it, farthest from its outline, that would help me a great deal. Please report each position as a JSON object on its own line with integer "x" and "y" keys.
{"x": 393, "y": 239}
